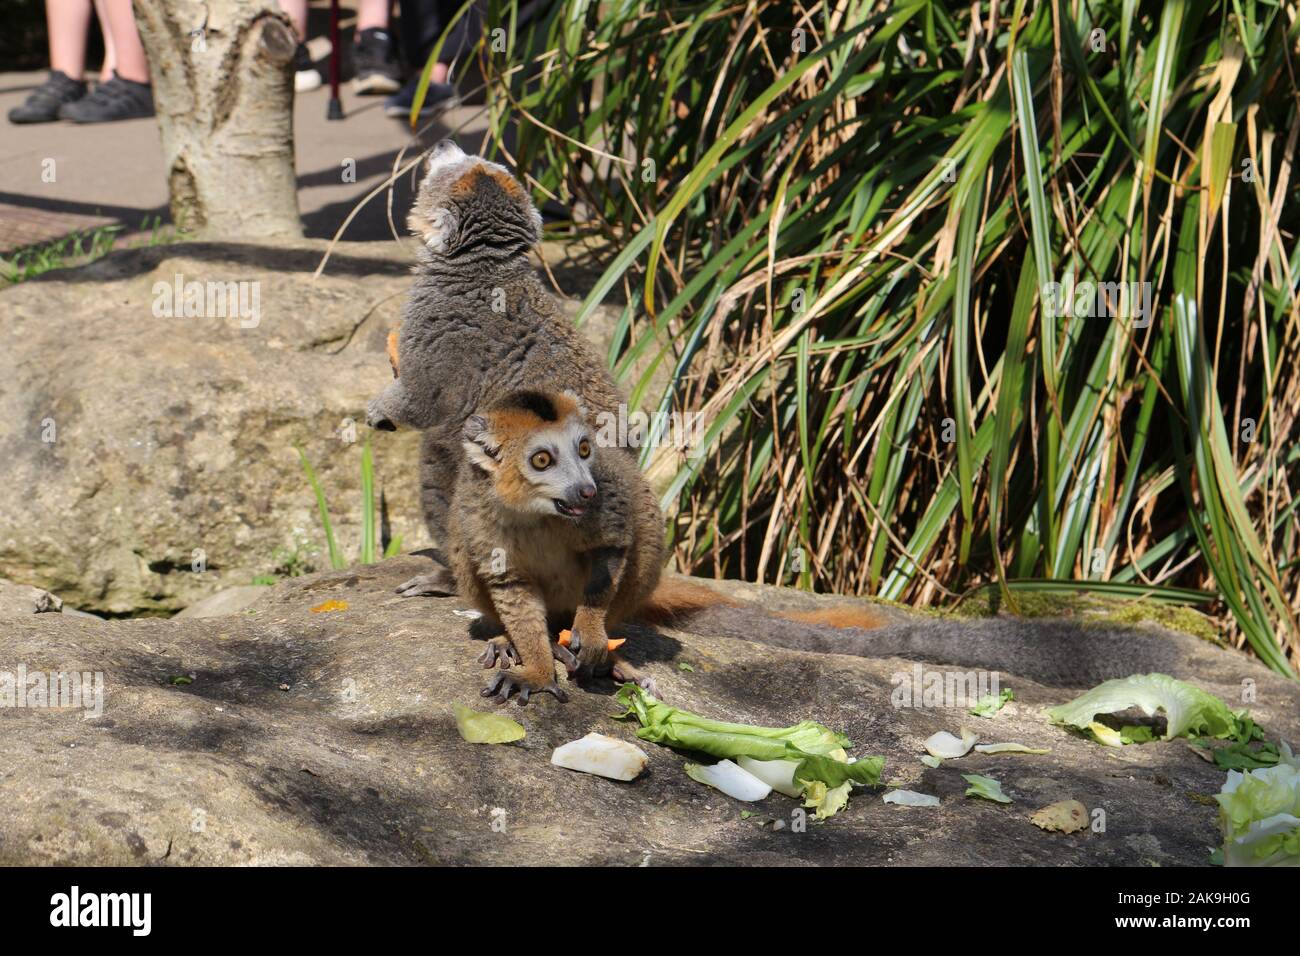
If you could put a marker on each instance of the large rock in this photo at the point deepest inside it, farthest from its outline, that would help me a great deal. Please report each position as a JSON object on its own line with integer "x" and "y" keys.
{"x": 19, "y": 600}
{"x": 285, "y": 734}
{"x": 149, "y": 459}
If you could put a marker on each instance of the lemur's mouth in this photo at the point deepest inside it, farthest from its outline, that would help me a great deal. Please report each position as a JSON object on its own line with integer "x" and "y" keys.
{"x": 569, "y": 511}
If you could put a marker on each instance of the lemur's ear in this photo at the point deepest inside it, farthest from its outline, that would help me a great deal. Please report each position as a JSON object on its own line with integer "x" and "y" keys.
{"x": 480, "y": 446}
{"x": 437, "y": 228}
{"x": 577, "y": 400}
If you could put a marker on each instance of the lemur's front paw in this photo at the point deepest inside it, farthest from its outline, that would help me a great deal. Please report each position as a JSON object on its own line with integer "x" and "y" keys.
{"x": 503, "y": 682}
{"x": 499, "y": 650}
{"x": 591, "y": 646}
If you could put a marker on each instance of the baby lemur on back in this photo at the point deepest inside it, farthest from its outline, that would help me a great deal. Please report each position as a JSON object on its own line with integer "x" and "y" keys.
{"x": 546, "y": 528}
{"x": 477, "y": 324}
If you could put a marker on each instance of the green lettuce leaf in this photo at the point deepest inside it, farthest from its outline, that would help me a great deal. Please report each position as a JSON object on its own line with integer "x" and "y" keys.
{"x": 818, "y": 750}
{"x": 989, "y": 705}
{"x": 825, "y": 801}
{"x": 1189, "y": 711}
{"x": 1240, "y": 756}
{"x": 986, "y": 787}
{"x": 481, "y": 728}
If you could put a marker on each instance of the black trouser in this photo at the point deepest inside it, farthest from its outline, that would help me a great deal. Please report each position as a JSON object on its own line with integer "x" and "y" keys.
{"x": 424, "y": 21}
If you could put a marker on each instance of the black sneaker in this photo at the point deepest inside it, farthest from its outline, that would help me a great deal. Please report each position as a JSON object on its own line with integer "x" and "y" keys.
{"x": 437, "y": 97}
{"x": 42, "y": 104}
{"x": 374, "y": 65}
{"x": 305, "y": 76}
{"x": 118, "y": 99}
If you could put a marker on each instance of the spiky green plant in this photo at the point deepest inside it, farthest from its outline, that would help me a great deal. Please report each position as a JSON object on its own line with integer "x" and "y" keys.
{"x": 368, "y": 550}
{"x": 834, "y": 225}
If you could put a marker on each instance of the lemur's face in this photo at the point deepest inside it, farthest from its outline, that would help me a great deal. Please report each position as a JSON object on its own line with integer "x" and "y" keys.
{"x": 465, "y": 202}
{"x": 538, "y": 450}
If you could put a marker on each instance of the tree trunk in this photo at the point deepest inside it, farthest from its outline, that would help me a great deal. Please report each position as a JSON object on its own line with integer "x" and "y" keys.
{"x": 223, "y": 85}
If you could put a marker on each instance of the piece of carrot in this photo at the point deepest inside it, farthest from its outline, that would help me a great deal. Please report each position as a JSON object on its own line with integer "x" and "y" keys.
{"x": 612, "y": 643}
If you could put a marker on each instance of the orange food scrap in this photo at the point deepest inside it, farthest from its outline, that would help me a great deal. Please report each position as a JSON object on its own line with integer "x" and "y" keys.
{"x": 612, "y": 643}
{"x": 330, "y": 606}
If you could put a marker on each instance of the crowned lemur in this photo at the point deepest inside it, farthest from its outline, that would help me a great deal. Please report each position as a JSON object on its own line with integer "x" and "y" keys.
{"x": 477, "y": 325}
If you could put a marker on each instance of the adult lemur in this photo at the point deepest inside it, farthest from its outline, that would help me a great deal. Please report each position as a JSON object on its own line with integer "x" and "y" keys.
{"x": 478, "y": 324}
{"x": 479, "y": 329}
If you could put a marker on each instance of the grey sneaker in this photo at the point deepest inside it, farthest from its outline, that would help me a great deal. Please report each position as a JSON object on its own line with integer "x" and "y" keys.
{"x": 438, "y": 97}
{"x": 118, "y": 99}
{"x": 43, "y": 103}
{"x": 376, "y": 69}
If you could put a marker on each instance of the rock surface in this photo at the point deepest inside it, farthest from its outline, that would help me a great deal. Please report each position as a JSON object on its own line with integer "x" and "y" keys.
{"x": 283, "y": 734}
{"x": 19, "y": 600}
{"x": 150, "y": 457}
{"x": 230, "y": 601}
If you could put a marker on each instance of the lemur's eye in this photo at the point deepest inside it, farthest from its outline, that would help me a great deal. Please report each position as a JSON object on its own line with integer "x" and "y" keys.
{"x": 541, "y": 460}
{"x": 584, "y": 449}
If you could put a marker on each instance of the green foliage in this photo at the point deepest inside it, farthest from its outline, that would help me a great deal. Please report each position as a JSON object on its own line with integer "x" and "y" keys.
{"x": 836, "y": 227}
{"x": 368, "y": 551}
{"x": 77, "y": 248}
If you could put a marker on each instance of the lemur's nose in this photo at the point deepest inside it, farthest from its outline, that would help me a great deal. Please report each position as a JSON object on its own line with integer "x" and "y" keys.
{"x": 587, "y": 491}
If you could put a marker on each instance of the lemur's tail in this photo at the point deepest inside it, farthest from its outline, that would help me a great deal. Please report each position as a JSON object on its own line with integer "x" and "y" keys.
{"x": 675, "y": 600}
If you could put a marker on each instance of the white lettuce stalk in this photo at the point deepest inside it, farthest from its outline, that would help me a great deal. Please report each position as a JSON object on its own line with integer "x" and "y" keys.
{"x": 777, "y": 774}
{"x": 1260, "y": 814}
{"x": 947, "y": 747}
{"x": 730, "y": 779}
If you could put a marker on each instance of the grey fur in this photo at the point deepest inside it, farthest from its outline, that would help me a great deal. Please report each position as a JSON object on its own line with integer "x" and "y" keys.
{"x": 1054, "y": 652}
{"x": 478, "y": 322}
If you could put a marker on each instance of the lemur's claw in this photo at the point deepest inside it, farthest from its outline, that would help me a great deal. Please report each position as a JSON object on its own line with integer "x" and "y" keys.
{"x": 500, "y": 686}
{"x": 562, "y": 655}
{"x": 499, "y": 650}
{"x": 439, "y": 583}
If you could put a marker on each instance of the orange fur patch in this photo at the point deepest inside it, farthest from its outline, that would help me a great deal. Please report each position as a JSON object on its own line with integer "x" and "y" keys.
{"x": 513, "y": 424}
{"x": 508, "y": 183}
{"x": 465, "y": 185}
{"x": 392, "y": 351}
{"x": 511, "y": 486}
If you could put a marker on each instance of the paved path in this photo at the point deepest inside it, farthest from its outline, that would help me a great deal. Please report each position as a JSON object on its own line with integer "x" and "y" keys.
{"x": 113, "y": 173}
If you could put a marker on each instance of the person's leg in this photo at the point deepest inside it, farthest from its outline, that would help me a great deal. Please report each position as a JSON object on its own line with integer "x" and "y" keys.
{"x": 423, "y": 22}
{"x": 461, "y": 37}
{"x": 305, "y": 76}
{"x": 372, "y": 15}
{"x": 128, "y": 52}
{"x": 127, "y": 93}
{"x": 297, "y": 13}
{"x": 68, "y": 22}
{"x": 110, "y": 60}
{"x": 373, "y": 59}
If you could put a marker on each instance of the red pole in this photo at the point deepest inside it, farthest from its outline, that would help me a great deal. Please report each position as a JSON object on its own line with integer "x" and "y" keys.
{"x": 335, "y": 110}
